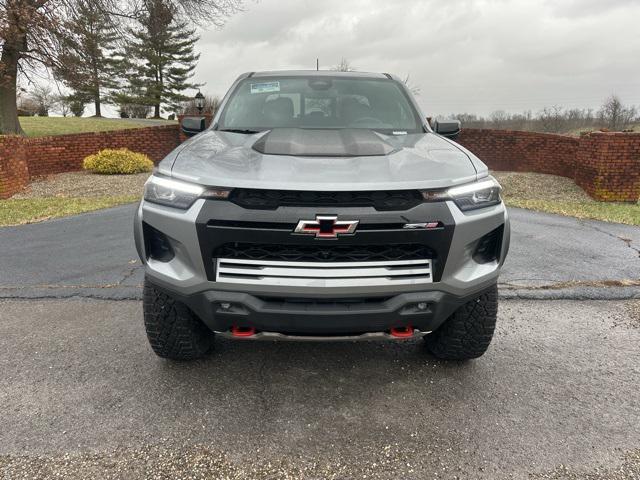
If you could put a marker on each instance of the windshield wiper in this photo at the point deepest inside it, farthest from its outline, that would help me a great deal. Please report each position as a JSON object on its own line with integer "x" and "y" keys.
{"x": 246, "y": 131}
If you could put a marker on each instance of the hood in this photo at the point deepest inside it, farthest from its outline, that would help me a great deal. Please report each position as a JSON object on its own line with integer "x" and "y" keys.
{"x": 325, "y": 160}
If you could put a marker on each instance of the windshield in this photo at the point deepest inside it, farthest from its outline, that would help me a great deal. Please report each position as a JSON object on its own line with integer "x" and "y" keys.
{"x": 263, "y": 103}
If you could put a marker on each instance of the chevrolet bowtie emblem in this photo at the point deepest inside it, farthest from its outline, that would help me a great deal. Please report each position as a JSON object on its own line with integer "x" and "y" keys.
{"x": 326, "y": 227}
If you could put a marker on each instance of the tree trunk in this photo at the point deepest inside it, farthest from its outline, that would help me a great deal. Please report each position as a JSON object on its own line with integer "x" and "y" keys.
{"x": 9, "y": 122}
{"x": 96, "y": 87}
{"x": 159, "y": 86}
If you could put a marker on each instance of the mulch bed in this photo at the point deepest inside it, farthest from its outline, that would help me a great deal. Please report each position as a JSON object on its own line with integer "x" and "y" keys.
{"x": 85, "y": 185}
{"x": 533, "y": 186}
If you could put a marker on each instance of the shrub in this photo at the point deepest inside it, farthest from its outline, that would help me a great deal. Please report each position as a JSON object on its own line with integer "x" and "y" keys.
{"x": 121, "y": 161}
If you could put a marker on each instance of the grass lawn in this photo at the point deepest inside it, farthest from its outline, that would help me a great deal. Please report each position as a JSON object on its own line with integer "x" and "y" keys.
{"x": 70, "y": 194}
{"x": 44, "y": 126}
{"x": 554, "y": 194}
{"x": 20, "y": 211}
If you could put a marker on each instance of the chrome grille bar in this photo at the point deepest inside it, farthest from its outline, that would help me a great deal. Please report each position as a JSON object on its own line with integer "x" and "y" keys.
{"x": 328, "y": 274}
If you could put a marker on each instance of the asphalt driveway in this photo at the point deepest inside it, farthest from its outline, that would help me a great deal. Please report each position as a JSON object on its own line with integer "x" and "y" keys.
{"x": 83, "y": 396}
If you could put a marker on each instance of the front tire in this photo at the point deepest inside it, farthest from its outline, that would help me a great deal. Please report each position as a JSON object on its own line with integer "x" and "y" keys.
{"x": 468, "y": 332}
{"x": 173, "y": 330}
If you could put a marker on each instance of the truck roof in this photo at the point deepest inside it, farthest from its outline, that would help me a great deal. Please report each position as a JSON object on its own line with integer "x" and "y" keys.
{"x": 318, "y": 73}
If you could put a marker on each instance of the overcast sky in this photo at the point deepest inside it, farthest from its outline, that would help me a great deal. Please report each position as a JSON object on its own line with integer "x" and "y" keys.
{"x": 472, "y": 56}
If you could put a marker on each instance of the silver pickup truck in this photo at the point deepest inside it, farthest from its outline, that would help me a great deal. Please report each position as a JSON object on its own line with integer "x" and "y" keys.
{"x": 321, "y": 205}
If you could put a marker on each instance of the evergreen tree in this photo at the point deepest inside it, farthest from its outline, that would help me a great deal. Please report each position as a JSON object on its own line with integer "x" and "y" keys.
{"x": 159, "y": 59}
{"x": 85, "y": 63}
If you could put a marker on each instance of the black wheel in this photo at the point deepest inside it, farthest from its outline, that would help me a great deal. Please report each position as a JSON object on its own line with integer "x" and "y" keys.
{"x": 468, "y": 332}
{"x": 172, "y": 329}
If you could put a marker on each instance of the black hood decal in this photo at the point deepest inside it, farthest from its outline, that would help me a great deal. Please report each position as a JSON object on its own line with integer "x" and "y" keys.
{"x": 323, "y": 143}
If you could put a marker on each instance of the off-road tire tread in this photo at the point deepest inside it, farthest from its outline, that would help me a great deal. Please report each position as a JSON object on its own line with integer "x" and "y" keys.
{"x": 468, "y": 332}
{"x": 173, "y": 330}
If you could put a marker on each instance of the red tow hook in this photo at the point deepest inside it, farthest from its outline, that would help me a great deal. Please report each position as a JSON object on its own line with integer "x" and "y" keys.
{"x": 243, "y": 331}
{"x": 402, "y": 332}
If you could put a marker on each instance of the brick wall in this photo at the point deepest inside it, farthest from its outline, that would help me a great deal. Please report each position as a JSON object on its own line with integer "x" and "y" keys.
{"x": 64, "y": 153}
{"x": 14, "y": 171}
{"x": 523, "y": 151}
{"x": 608, "y": 166}
{"x": 605, "y": 165}
{"x": 22, "y": 159}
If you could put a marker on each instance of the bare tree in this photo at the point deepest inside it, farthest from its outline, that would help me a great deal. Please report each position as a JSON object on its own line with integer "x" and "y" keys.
{"x": 577, "y": 118}
{"x": 26, "y": 106}
{"x": 500, "y": 119}
{"x": 44, "y": 98}
{"x": 202, "y": 12}
{"x": 62, "y": 101}
{"x": 520, "y": 121}
{"x": 552, "y": 119}
{"x": 32, "y": 32}
{"x": 344, "y": 66}
{"x": 465, "y": 117}
{"x": 26, "y": 28}
{"x": 615, "y": 115}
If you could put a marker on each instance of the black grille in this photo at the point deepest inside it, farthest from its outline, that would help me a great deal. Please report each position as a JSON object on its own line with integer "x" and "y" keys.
{"x": 328, "y": 253}
{"x": 272, "y": 199}
{"x": 325, "y": 301}
{"x": 337, "y": 304}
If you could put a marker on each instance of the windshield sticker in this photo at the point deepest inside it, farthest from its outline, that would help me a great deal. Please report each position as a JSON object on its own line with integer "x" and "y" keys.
{"x": 269, "y": 87}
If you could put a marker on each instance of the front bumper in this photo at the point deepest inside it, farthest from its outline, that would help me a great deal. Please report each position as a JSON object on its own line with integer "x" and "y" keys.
{"x": 221, "y": 310}
{"x": 320, "y": 308}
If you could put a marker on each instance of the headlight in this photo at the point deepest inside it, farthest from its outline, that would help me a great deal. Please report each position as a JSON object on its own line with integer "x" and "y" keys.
{"x": 178, "y": 194}
{"x": 471, "y": 196}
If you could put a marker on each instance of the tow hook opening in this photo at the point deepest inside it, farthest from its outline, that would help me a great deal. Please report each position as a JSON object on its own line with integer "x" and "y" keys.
{"x": 402, "y": 332}
{"x": 243, "y": 331}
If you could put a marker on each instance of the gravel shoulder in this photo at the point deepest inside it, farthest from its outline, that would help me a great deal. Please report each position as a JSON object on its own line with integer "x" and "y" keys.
{"x": 560, "y": 195}
{"x": 85, "y": 185}
{"x": 532, "y": 186}
{"x": 69, "y": 194}
{"x": 82, "y": 396}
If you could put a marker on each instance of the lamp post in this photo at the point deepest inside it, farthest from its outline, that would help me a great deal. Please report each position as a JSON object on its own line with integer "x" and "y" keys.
{"x": 199, "y": 102}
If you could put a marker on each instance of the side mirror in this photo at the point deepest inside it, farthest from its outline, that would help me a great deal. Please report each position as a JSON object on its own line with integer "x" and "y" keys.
{"x": 193, "y": 125}
{"x": 447, "y": 128}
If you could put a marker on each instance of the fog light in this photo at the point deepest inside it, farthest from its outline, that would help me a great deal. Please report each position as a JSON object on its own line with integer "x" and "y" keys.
{"x": 488, "y": 248}
{"x": 422, "y": 305}
{"x": 157, "y": 244}
{"x": 225, "y": 305}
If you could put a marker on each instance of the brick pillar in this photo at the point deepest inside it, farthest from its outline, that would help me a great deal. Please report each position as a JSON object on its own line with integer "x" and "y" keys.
{"x": 14, "y": 171}
{"x": 608, "y": 166}
{"x": 207, "y": 118}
